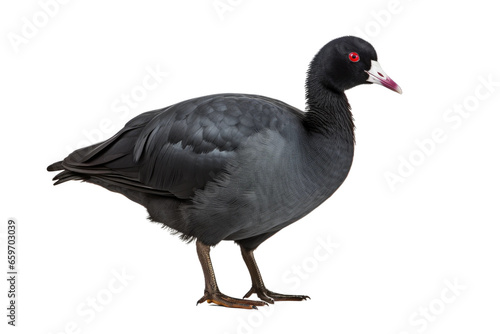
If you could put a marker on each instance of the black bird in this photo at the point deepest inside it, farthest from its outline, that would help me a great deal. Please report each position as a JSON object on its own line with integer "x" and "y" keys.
{"x": 237, "y": 166}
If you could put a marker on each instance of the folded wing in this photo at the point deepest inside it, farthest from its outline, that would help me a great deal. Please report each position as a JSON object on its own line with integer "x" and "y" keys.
{"x": 176, "y": 150}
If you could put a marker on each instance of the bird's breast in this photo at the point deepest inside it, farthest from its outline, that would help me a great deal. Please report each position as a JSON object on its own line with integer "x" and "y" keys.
{"x": 272, "y": 182}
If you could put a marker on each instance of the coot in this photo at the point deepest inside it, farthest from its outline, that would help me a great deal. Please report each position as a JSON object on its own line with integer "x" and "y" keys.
{"x": 237, "y": 166}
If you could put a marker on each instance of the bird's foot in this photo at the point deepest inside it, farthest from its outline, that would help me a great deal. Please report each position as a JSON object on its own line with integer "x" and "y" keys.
{"x": 266, "y": 295}
{"x": 223, "y": 300}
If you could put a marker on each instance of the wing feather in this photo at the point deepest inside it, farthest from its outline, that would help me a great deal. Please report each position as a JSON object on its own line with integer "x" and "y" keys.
{"x": 176, "y": 150}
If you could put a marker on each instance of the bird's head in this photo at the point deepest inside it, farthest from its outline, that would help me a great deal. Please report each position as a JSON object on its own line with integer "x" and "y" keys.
{"x": 347, "y": 62}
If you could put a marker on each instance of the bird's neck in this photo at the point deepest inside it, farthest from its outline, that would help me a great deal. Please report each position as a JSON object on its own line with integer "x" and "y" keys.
{"x": 329, "y": 142}
{"x": 328, "y": 112}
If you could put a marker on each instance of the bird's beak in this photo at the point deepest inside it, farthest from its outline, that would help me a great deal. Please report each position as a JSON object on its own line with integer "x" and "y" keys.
{"x": 377, "y": 75}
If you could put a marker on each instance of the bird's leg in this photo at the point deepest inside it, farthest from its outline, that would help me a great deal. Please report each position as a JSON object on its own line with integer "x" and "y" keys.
{"x": 258, "y": 286}
{"x": 212, "y": 293}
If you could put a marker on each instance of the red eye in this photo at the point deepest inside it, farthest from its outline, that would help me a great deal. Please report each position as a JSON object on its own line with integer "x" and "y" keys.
{"x": 354, "y": 57}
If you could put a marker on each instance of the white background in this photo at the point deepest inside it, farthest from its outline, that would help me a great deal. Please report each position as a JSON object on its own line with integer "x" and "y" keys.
{"x": 397, "y": 247}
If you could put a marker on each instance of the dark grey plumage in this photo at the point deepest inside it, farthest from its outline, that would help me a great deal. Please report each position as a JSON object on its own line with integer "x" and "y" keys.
{"x": 199, "y": 164}
{"x": 236, "y": 166}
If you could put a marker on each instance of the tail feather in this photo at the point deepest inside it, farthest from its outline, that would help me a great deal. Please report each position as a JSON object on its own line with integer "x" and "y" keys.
{"x": 55, "y": 166}
{"x": 109, "y": 163}
{"x": 67, "y": 175}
